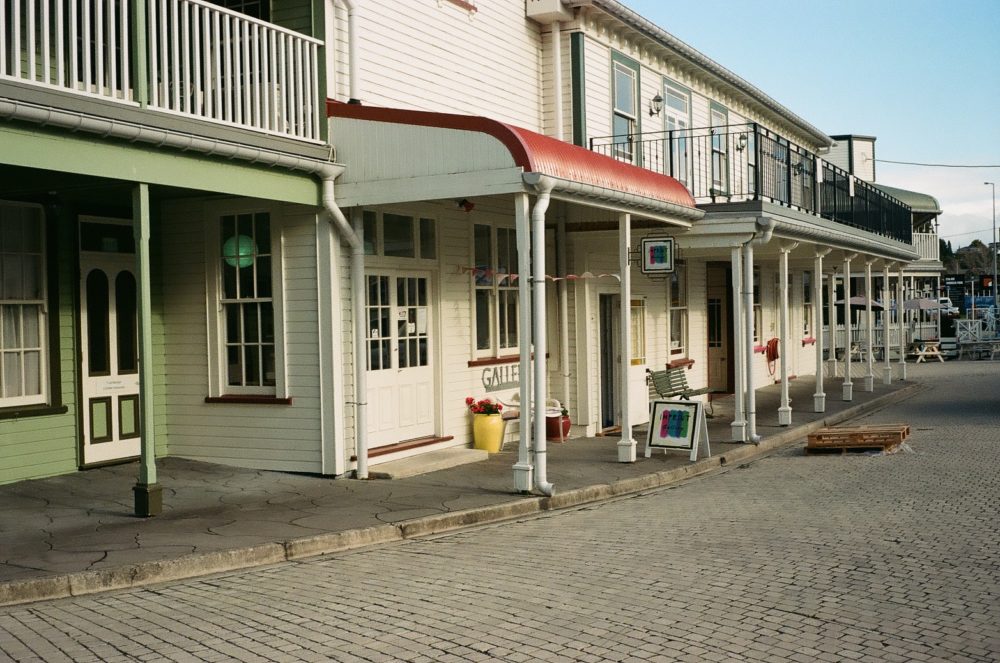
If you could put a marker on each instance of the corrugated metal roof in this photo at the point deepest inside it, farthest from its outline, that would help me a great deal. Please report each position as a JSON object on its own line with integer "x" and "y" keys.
{"x": 918, "y": 202}
{"x": 536, "y": 153}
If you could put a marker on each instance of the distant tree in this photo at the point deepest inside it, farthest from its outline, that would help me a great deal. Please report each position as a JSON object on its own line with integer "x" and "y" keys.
{"x": 945, "y": 250}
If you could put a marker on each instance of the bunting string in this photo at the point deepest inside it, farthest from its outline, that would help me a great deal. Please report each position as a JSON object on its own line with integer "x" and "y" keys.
{"x": 512, "y": 277}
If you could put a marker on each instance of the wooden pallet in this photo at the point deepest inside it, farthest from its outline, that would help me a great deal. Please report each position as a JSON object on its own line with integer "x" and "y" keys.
{"x": 844, "y": 439}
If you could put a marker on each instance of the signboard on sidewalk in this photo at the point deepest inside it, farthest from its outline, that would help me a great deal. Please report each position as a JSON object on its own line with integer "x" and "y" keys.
{"x": 677, "y": 425}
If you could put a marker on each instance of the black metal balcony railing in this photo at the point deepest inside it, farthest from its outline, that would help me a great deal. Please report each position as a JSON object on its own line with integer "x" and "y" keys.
{"x": 748, "y": 162}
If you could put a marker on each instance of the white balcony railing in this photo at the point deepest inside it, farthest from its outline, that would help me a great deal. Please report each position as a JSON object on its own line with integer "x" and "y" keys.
{"x": 200, "y": 60}
{"x": 927, "y": 245}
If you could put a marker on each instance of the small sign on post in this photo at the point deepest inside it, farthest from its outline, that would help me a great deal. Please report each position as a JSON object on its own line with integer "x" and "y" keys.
{"x": 657, "y": 255}
{"x": 678, "y": 425}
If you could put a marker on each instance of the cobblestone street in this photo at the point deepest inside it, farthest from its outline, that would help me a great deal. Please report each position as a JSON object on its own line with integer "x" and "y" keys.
{"x": 790, "y": 558}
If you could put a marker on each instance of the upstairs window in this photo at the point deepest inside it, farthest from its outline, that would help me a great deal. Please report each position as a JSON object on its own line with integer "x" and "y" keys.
{"x": 625, "y": 100}
{"x": 719, "y": 118}
{"x": 23, "y": 349}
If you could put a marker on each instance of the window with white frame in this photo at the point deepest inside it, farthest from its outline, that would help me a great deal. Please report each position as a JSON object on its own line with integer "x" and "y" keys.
{"x": 807, "y": 306}
{"x": 678, "y": 309}
{"x": 677, "y": 120}
{"x": 23, "y": 349}
{"x": 719, "y": 118}
{"x": 399, "y": 235}
{"x": 758, "y": 321}
{"x": 495, "y": 290}
{"x": 625, "y": 104}
{"x": 249, "y": 351}
{"x": 638, "y": 319}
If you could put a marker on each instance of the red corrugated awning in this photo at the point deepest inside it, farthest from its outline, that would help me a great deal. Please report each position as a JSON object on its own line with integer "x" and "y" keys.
{"x": 535, "y": 153}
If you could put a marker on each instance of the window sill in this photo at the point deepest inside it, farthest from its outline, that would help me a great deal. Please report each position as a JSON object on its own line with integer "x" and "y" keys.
{"x": 249, "y": 399}
{"x": 495, "y": 361}
{"x": 21, "y": 411}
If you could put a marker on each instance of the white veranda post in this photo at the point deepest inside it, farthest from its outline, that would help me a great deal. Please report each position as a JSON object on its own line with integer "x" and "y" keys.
{"x": 739, "y": 425}
{"x": 869, "y": 329}
{"x": 819, "y": 397}
{"x": 785, "y": 409}
{"x": 848, "y": 385}
{"x": 626, "y": 446}
{"x": 886, "y": 326}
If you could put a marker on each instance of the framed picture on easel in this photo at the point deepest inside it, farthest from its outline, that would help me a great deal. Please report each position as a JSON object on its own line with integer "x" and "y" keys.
{"x": 677, "y": 425}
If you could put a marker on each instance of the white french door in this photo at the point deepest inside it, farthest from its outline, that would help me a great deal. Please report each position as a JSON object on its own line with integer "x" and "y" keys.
{"x": 401, "y": 395}
{"x": 109, "y": 357}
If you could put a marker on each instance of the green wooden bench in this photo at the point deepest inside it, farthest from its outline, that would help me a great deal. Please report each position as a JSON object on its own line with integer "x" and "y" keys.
{"x": 672, "y": 383}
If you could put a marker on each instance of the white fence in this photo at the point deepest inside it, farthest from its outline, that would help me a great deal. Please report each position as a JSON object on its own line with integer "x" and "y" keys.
{"x": 201, "y": 60}
{"x": 927, "y": 245}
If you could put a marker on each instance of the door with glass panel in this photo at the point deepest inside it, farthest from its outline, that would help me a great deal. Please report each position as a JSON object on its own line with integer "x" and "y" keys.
{"x": 401, "y": 394}
{"x": 677, "y": 114}
{"x": 109, "y": 357}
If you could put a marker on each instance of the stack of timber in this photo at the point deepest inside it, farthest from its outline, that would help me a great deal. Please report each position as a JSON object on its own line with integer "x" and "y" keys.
{"x": 873, "y": 437}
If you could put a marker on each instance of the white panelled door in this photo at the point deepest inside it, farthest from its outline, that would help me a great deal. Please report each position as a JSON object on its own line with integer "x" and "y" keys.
{"x": 401, "y": 394}
{"x": 109, "y": 357}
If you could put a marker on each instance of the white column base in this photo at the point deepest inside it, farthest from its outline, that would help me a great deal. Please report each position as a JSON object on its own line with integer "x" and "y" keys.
{"x": 784, "y": 416}
{"x": 831, "y": 371}
{"x": 902, "y": 371}
{"x": 848, "y": 391}
{"x": 869, "y": 383}
{"x": 626, "y": 451}
{"x": 887, "y": 376}
{"x": 819, "y": 402}
{"x": 739, "y": 431}
{"x": 524, "y": 477}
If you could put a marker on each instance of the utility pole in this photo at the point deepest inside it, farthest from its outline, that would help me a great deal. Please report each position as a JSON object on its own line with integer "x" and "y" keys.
{"x": 993, "y": 242}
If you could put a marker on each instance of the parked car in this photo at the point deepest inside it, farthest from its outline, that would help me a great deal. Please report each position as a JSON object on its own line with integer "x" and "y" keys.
{"x": 947, "y": 308}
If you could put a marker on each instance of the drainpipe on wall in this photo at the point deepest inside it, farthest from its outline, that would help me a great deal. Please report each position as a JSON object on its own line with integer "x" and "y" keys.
{"x": 352, "y": 52}
{"x": 739, "y": 424}
{"x": 544, "y": 189}
{"x": 557, "y": 96}
{"x": 765, "y": 228}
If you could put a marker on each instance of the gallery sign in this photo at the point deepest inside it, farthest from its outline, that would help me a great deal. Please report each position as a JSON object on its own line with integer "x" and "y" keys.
{"x": 657, "y": 255}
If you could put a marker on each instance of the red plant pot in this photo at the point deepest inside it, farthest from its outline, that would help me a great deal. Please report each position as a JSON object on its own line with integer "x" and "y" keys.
{"x": 552, "y": 425}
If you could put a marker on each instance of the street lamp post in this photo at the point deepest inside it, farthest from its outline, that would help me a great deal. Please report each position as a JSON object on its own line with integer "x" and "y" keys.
{"x": 993, "y": 242}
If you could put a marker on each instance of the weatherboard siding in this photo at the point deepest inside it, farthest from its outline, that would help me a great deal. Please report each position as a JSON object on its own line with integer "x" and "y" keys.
{"x": 274, "y": 437}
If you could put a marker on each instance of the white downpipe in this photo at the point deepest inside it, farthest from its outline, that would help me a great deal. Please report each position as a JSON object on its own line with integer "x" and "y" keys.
{"x": 785, "y": 409}
{"x": 869, "y": 330}
{"x": 739, "y": 425}
{"x": 751, "y": 397}
{"x": 848, "y": 388}
{"x": 886, "y": 315}
{"x": 557, "y": 85}
{"x": 819, "y": 398}
{"x": 538, "y": 322}
{"x": 901, "y": 323}
{"x": 353, "y": 51}
{"x": 626, "y": 445}
{"x": 563, "y": 292}
{"x": 523, "y": 469}
{"x": 360, "y": 341}
{"x": 831, "y": 305}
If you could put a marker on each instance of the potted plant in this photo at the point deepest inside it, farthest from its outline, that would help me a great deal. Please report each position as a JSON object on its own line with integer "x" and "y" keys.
{"x": 487, "y": 423}
{"x": 557, "y": 426}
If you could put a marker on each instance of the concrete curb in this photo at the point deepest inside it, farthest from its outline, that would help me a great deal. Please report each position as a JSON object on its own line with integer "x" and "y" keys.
{"x": 201, "y": 564}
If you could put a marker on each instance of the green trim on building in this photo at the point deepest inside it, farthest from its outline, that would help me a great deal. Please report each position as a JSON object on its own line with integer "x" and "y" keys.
{"x": 578, "y": 74}
{"x": 141, "y": 163}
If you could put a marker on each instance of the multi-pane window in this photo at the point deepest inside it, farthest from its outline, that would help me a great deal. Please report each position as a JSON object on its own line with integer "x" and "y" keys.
{"x": 625, "y": 99}
{"x": 256, "y": 8}
{"x": 638, "y": 327}
{"x": 496, "y": 291}
{"x": 677, "y": 110}
{"x": 720, "y": 149}
{"x": 807, "y": 307}
{"x": 247, "y": 301}
{"x": 757, "y": 317}
{"x": 678, "y": 309}
{"x": 399, "y": 236}
{"x": 22, "y": 306}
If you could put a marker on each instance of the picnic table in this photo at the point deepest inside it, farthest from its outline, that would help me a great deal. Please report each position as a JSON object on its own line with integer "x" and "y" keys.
{"x": 979, "y": 349}
{"x": 923, "y": 350}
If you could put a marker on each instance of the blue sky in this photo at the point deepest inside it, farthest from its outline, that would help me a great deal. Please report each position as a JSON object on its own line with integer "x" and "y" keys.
{"x": 922, "y": 76}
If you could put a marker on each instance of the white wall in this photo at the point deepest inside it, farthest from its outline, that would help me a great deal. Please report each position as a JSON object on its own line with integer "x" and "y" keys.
{"x": 433, "y": 56}
{"x": 273, "y": 437}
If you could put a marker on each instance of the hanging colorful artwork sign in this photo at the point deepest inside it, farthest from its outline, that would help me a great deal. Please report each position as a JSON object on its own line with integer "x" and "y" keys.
{"x": 657, "y": 255}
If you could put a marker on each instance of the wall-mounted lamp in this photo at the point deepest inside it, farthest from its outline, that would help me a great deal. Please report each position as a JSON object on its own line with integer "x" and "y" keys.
{"x": 741, "y": 142}
{"x": 655, "y": 105}
{"x": 797, "y": 169}
{"x": 466, "y": 205}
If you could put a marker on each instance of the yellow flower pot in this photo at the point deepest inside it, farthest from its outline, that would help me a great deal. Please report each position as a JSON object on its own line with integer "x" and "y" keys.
{"x": 487, "y": 432}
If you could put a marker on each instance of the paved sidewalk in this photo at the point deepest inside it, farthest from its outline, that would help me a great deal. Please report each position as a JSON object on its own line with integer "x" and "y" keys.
{"x": 76, "y": 534}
